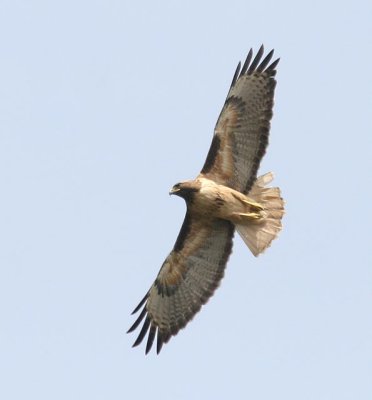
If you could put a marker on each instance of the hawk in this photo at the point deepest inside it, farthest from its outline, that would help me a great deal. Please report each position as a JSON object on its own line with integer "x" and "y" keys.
{"x": 225, "y": 196}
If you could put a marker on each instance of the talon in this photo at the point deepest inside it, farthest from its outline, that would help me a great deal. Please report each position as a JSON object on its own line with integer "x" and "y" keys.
{"x": 250, "y": 215}
{"x": 254, "y": 204}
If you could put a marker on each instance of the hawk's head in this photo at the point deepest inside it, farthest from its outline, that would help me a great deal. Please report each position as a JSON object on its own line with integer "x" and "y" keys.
{"x": 185, "y": 189}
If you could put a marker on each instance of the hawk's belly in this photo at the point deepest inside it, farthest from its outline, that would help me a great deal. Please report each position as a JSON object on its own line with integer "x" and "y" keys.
{"x": 218, "y": 201}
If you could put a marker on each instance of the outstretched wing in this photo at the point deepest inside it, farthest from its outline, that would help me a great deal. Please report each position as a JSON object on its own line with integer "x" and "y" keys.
{"x": 241, "y": 133}
{"x": 186, "y": 280}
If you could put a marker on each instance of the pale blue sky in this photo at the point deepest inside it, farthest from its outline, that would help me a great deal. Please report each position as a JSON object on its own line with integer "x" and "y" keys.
{"x": 104, "y": 105}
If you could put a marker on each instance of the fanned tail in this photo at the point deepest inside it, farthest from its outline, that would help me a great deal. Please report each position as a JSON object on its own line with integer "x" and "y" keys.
{"x": 259, "y": 234}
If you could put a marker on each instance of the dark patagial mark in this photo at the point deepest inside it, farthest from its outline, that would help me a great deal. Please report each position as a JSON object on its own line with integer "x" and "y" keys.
{"x": 182, "y": 236}
{"x": 212, "y": 154}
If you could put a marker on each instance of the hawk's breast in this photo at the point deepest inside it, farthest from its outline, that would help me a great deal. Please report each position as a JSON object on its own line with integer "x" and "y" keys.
{"x": 216, "y": 201}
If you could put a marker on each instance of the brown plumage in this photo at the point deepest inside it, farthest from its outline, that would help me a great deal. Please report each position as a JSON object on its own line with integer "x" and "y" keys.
{"x": 225, "y": 196}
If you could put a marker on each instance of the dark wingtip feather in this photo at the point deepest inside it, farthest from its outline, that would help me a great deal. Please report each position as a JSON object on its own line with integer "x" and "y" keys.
{"x": 235, "y": 77}
{"x": 142, "y": 302}
{"x": 159, "y": 342}
{"x": 256, "y": 60}
{"x": 150, "y": 339}
{"x": 247, "y": 62}
{"x": 143, "y": 332}
{"x": 249, "y": 66}
{"x": 265, "y": 61}
{"x": 138, "y": 321}
{"x": 273, "y": 65}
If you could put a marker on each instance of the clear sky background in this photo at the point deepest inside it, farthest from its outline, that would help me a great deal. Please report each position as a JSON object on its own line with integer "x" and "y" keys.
{"x": 104, "y": 105}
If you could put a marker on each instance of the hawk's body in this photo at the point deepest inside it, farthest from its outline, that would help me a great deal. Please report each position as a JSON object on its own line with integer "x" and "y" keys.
{"x": 225, "y": 196}
{"x": 208, "y": 199}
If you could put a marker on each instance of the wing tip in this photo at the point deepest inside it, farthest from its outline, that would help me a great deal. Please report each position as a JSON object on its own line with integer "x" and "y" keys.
{"x": 148, "y": 326}
{"x": 150, "y": 338}
{"x": 145, "y": 328}
{"x": 141, "y": 303}
{"x": 237, "y": 74}
{"x": 159, "y": 342}
{"x": 256, "y": 65}
{"x": 137, "y": 321}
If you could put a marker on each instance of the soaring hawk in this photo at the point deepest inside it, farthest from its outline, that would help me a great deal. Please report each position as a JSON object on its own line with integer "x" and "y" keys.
{"x": 225, "y": 196}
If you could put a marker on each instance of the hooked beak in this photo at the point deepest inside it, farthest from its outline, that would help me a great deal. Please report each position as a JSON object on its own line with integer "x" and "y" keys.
{"x": 173, "y": 191}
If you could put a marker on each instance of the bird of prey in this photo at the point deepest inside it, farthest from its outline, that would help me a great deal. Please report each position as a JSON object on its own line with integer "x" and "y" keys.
{"x": 225, "y": 196}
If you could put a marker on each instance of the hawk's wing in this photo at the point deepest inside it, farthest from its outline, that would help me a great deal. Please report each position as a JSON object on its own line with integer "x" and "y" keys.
{"x": 186, "y": 280}
{"x": 241, "y": 133}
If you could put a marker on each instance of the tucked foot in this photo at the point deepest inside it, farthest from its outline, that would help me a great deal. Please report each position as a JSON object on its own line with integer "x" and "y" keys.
{"x": 253, "y": 204}
{"x": 250, "y": 215}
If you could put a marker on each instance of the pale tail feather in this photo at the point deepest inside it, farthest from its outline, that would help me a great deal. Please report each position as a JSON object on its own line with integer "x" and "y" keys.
{"x": 259, "y": 235}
